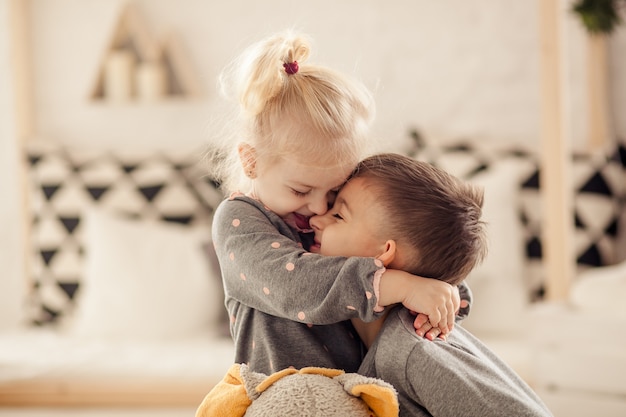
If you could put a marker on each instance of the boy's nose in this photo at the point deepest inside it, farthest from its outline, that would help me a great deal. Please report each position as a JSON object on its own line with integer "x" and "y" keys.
{"x": 317, "y": 222}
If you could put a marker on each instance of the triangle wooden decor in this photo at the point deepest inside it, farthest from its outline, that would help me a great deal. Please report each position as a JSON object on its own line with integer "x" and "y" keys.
{"x": 137, "y": 67}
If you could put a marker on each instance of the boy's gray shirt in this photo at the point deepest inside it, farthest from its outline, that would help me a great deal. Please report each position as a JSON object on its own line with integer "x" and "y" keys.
{"x": 275, "y": 316}
{"x": 456, "y": 377}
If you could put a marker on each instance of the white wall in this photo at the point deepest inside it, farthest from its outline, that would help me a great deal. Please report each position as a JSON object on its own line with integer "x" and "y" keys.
{"x": 11, "y": 240}
{"x": 453, "y": 68}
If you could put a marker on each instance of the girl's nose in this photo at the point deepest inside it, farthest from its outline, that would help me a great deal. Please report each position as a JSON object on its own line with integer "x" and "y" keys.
{"x": 319, "y": 206}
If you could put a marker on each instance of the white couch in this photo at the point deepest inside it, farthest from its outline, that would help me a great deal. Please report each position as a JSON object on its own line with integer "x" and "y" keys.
{"x": 130, "y": 307}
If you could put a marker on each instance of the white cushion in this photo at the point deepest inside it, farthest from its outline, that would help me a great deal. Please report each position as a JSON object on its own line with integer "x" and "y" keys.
{"x": 144, "y": 280}
{"x": 498, "y": 283}
{"x": 601, "y": 291}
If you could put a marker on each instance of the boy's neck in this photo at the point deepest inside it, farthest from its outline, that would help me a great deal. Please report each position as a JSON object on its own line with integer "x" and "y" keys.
{"x": 369, "y": 331}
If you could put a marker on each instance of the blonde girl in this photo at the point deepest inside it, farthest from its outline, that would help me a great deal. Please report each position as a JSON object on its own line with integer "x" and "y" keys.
{"x": 304, "y": 129}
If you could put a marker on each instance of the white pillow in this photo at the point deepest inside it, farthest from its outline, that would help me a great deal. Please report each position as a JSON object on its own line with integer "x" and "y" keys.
{"x": 498, "y": 283}
{"x": 144, "y": 280}
{"x": 601, "y": 291}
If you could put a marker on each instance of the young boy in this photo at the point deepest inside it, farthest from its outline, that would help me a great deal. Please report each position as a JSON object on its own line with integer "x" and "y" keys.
{"x": 415, "y": 217}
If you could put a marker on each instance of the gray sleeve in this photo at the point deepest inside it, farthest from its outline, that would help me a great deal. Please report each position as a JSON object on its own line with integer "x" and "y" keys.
{"x": 451, "y": 382}
{"x": 457, "y": 377}
{"x": 265, "y": 267}
{"x": 466, "y": 295}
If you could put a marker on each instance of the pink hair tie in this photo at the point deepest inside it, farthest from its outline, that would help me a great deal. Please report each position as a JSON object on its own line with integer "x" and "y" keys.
{"x": 291, "y": 67}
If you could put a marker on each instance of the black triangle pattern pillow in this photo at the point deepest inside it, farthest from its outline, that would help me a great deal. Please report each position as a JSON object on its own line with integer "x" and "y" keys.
{"x": 599, "y": 198}
{"x": 65, "y": 182}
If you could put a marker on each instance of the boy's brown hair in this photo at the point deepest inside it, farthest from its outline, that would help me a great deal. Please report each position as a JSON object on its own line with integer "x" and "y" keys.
{"x": 430, "y": 211}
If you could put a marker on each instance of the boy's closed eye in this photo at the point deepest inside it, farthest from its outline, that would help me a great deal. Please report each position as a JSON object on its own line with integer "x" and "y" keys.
{"x": 337, "y": 216}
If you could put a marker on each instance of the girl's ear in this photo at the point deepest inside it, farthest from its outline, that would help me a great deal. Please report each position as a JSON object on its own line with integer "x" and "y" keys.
{"x": 247, "y": 156}
{"x": 389, "y": 254}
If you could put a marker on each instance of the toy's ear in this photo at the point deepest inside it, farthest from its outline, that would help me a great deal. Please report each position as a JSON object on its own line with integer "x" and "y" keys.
{"x": 228, "y": 398}
{"x": 379, "y": 395}
{"x": 256, "y": 382}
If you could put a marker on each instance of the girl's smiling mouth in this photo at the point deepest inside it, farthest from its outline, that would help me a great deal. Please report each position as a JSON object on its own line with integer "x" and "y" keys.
{"x": 298, "y": 221}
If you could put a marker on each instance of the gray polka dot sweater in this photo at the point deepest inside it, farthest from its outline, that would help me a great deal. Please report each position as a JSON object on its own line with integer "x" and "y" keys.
{"x": 289, "y": 307}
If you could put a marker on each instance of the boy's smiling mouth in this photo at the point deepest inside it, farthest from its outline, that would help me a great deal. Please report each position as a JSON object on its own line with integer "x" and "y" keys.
{"x": 315, "y": 247}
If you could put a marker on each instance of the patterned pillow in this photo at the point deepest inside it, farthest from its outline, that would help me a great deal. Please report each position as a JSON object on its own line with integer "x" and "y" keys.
{"x": 598, "y": 181}
{"x": 65, "y": 182}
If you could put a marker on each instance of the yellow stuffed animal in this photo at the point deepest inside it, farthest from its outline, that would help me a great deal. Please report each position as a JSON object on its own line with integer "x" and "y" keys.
{"x": 305, "y": 392}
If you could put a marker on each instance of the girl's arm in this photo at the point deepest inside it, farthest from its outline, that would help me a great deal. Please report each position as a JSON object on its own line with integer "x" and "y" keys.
{"x": 264, "y": 267}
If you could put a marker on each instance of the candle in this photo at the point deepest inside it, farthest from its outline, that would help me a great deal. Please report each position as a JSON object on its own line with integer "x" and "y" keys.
{"x": 118, "y": 76}
{"x": 150, "y": 80}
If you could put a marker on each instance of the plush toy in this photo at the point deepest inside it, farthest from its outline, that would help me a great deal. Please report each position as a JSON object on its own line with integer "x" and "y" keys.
{"x": 305, "y": 392}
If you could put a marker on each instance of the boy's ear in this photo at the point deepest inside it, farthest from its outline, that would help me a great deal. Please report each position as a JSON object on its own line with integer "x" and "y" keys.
{"x": 247, "y": 156}
{"x": 389, "y": 254}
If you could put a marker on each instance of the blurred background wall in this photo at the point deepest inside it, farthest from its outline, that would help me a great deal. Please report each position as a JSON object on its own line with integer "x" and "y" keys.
{"x": 451, "y": 68}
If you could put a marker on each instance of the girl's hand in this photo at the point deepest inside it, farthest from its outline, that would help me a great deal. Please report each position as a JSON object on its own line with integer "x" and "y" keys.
{"x": 423, "y": 327}
{"x": 436, "y": 299}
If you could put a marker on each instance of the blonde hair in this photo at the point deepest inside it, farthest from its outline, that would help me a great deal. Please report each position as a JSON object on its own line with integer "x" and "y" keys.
{"x": 434, "y": 215}
{"x": 316, "y": 116}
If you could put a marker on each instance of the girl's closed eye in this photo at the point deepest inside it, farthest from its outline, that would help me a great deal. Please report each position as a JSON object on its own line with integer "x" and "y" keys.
{"x": 337, "y": 216}
{"x": 300, "y": 193}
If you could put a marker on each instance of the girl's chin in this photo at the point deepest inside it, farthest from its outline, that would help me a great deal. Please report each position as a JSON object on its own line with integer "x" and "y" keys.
{"x": 315, "y": 248}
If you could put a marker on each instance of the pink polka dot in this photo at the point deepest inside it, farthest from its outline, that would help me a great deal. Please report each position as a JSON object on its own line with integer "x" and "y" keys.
{"x": 242, "y": 276}
{"x": 378, "y": 263}
{"x": 275, "y": 245}
{"x": 464, "y": 303}
{"x": 301, "y": 315}
{"x": 266, "y": 290}
{"x": 236, "y": 222}
{"x": 368, "y": 295}
{"x": 232, "y": 319}
{"x": 309, "y": 325}
{"x": 253, "y": 344}
{"x": 350, "y": 308}
{"x": 307, "y": 253}
{"x": 290, "y": 266}
{"x": 231, "y": 256}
